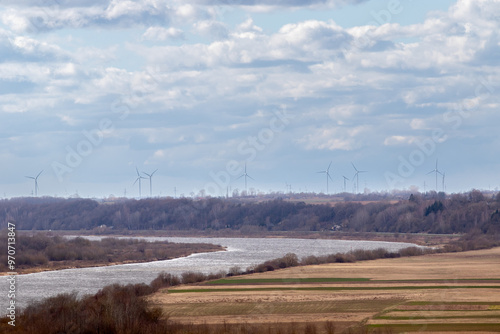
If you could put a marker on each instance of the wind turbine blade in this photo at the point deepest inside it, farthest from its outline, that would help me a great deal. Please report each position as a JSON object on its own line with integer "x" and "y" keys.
{"x": 154, "y": 172}
{"x": 239, "y": 177}
{"x": 329, "y": 165}
{"x": 39, "y": 174}
{"x": 329, "y": 177}
{"x": 146, "y": 174}
{"x": 354, "y": 167}
{"x": 30, "y": 177}
{"x": 251, "y": 178}
{"x": 432, "y": 171}
{"x": 321, "y": 172}
{"x": 137, "y": 171}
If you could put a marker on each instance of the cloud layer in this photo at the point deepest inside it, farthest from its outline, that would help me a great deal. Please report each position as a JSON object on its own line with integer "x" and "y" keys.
{"x": 187, "y": 90}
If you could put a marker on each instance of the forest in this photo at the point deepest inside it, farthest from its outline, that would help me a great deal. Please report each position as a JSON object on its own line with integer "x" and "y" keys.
{"x": 430, "y": 213}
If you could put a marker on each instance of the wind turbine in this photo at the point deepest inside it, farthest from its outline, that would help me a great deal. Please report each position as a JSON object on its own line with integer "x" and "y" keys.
{"x": 150, "y": 176}
{"x": 356, "y": 175}
{"x": 36, "y": 182}
{"x": 345, "y": 179}
{"x": 327, "y": 172}
{"x": 245, "y": 174}
{"x": 444, "y": 174}
{"x": 436, "y": 170}
{"x": 139, "y": 177}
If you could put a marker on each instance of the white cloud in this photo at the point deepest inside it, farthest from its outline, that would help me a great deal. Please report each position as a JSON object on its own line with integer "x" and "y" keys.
{"x": 117, "y": 13}
{"x": 163, "y": 34}
{"x": 335, "y": 138}
{"x": 212, "y": 29}
{"x": 346, "y": 113}
{"x": 399, "y": 140}
{"x": 265, "y": 5}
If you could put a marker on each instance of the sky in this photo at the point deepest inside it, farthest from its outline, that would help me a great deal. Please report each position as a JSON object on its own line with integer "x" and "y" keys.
{"x": 93, "y": 91}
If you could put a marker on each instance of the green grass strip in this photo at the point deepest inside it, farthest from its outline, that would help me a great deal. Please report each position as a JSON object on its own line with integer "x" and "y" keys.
{"x": 414, "y": 310}
{"x": 225, "y": 281}
{"x": 433, "y": 287}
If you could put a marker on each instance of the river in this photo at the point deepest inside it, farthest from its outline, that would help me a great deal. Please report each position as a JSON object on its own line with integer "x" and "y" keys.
{"x": 242, "y": 252}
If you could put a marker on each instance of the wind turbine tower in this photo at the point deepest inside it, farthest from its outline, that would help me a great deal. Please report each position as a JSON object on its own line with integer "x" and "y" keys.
{"x": 436, "y": 170}
{"x": 36, "y": 182}
{"x": 444, "y": 186}
{"x": 327, "y": 173}
{"x": 139, "y": 177}
{"x": 150, "y": 176}
{"x": 356, "y": 175}
{"x": 345, "y": 186}
{"x": 245, "y": 174}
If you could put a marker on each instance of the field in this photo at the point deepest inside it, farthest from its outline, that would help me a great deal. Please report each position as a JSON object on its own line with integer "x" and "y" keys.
{"x": 452, "y": 292}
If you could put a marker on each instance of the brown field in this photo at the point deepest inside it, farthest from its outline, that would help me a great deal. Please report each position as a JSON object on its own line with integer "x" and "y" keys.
{"x": 453, "y": 292}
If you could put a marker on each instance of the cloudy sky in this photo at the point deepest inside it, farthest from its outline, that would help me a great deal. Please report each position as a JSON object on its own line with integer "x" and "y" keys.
{"x": 90, "y": 90}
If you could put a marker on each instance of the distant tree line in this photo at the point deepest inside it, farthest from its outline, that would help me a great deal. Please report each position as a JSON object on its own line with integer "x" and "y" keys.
{"x": 459, "y": 213}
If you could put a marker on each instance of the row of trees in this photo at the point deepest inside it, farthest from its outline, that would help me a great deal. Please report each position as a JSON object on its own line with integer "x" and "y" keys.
{"x": 458, "y": 213}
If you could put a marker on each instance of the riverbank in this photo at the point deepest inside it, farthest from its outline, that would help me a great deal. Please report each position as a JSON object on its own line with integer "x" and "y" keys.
{"x": 129, "y": 254}
{"x": 42, "y": 252}
{"x": 422, "y": 239}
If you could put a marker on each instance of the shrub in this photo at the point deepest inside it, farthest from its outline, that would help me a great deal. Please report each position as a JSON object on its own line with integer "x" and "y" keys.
{"x": 309, "y": 260}
{"x": 289, "y": 260}
{"x": 411, "y": 251}
{"x": 164, "y": 280}
{"x": 234, "y": 271}
{"x": 193, "y": 277}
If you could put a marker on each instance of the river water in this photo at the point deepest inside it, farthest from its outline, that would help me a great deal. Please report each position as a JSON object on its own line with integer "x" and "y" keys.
{"x": 242, "y": 252}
